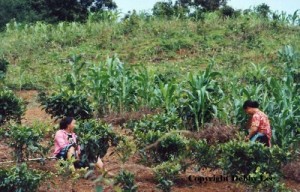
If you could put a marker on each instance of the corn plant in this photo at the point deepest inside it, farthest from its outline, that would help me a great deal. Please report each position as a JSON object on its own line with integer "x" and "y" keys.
{"x": 201, "y": 97}
{"x": 167, "y": 95}
{"x": 145, "y": 87}
{"x": 285, "y": 113}
{"x": 112, "y": 87}
{"x": 231, "y": 106}
{"x": 74, "y": 79}
{"x": 104, "y": 16}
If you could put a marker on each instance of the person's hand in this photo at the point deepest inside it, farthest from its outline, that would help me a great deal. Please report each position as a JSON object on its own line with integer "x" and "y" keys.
{"x": 247, "y": 138}
{"x": 99, "y": 163}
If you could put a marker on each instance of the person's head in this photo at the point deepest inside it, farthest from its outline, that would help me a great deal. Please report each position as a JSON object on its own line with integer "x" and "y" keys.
{"x": 250, "y": 106}
{"x": 67, "y": 123}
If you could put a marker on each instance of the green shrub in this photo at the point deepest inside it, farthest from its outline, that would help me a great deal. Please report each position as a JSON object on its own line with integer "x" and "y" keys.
{"x": 245, "y": 158}
{"x": 131, "y": 23}
{"x": 95, "y": 138}
{"x": 11, "y": 107}
{"x": 3, "y": 68}
{"x": 202, "y": 154}
{"x": 158, "y": 128}
{"x": 156, "y": 146}
{"x": 25, "y": 141}
{"x": 20, "y": 178}
{"x": 125, "y": 180}
{"x": 166, "y": 173}
{"x": 170, "y": 147}
{"x": 266, "y": 182}
{"x": 163, "y": 122}
{"x": 66, "y": 103}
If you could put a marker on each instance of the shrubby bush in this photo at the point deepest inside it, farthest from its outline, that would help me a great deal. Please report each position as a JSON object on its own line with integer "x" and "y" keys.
{"x": 3, "y": 67}
{"x": 95, "y": 138}
{"x": 171, "y": 146}
{"x": 157, "y": 146}
{"x": 20, "y": 178}
{"x": 244, "y": 158}
{"x": 25, "y": 141}
{"x": 203, "y": 154}
{"x": 11, "y": 106}
{"x": 125, "y": 180}
{"x": 166, "y": 173}
{"x": 163, "y": 122}
{"x": 67, "y": 103}
{"x": 157, "y": 137}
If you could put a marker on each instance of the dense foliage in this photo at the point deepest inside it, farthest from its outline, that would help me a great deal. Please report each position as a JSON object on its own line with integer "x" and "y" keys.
{"x": 26, "y": 141}
{"x": 95, "y": 139}
{"x": 125, "y": 180}
{"x": 50, "y": 10}
{"x": 20, "y": 178}
{"x": 11, "y": 106}
{"x": 67, "y": 104}
{"x": 3, "y": 68}
{"x": 241, "y": 158}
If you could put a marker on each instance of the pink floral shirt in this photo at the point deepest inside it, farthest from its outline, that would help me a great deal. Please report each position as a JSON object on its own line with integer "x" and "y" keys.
{"x": 61, "y": 140}
{"x": 261, "y": 121}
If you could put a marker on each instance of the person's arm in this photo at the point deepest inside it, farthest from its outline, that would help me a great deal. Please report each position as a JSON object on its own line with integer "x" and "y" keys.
{"x": 252, "y": 132}
{"x": 253, "y": 127}
{"x": 78, "y": 151}
{"x": 60, "y": 140}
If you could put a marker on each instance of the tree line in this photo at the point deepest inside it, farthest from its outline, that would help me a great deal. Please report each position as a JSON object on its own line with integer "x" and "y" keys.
{"x": 53, "y": 11}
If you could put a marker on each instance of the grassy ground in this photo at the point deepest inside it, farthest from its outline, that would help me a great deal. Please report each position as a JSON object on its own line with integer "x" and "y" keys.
{"x": 38, "y": 53}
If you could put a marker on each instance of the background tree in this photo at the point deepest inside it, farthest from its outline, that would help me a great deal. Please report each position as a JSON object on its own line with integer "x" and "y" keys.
{"x": 163, "y": 9}
{"x": 263, "y": 10}
{"x": 103, "y": 4}
{"x": 50, "y": 10}
{"x": 57, "y": 10}
{"x": 207, "y": 5}
{"x": 69, "y": 10}
{"x": 15, "y": 9}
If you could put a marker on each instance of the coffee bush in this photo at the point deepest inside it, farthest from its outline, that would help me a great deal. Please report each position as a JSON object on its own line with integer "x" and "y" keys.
{"x": 11, "y": 106}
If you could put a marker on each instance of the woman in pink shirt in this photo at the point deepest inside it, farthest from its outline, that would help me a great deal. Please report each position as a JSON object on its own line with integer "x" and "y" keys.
{"x": 258, "y": 124}
{"x": 65, "y": 141}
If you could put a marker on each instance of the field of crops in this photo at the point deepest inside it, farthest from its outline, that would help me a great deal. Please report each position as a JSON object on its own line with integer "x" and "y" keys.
{"x": 164, "y": 94}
